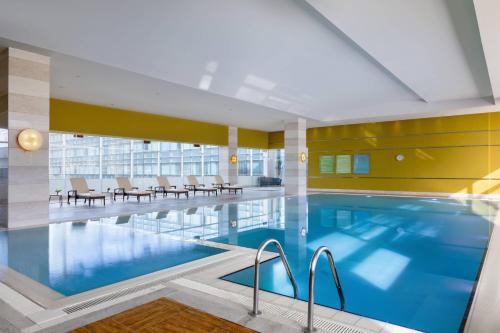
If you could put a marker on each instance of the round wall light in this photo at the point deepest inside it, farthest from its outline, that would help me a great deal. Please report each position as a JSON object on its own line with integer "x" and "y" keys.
{"x": 30, "y": 139}
{"x": 302, "y": 157}
{"x": 400, "y": 157}
{"x": 233, "y": 159}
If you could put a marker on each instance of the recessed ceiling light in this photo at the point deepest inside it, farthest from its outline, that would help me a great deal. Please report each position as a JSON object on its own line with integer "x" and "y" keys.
{"x": 77, "y": 76}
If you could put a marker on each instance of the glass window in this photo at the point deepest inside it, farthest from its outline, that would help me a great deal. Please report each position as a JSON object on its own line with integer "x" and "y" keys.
{"x": 145, "y": 158}
{"x": 115, "y": 157}
{"x": 244, "y": 158}
{"x": 56, "y": 156}
{"x": 211, "y": 160}
{"x": 192, "y": 160}
{"x": 258, "y": 157}
{"x": 81, "y": 156}
{"x": 170, "y": 158}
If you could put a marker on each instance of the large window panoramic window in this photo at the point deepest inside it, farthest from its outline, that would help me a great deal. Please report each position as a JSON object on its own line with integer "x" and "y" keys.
{"x": 170, "y": 159}
{"x": 146, "y": 159}
{"x": 192, "y": 160}
{"x": 116, "y": 157}
{"x": 81, "y": 156}
{"x": 105, "y": 158}
{"x": 211, "y": 160}
{"x": 251, "y": 162}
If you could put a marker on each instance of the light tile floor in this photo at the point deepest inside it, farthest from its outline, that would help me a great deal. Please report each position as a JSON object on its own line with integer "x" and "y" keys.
{"x": 114, "y": 208}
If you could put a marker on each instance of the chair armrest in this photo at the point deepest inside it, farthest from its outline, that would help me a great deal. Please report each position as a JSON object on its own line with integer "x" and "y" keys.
{"x": 134, "y": 188}
{"x": 227, "y": 184}
{"x": 173, "y": 186}
{"x": 119, "y": 190}
{"x": 71, "y": 193}
{"x": 202, "y": 185}
{"x": 91, "y": 190}
{"x": 159, "y": 188}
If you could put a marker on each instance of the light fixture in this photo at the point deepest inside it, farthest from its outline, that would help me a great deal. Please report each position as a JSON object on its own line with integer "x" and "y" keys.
{"x": 30, "y": 139}
{"x": 400, "y": 157}
{"x": 233, "y": 159}
{"x": 302, "y": 157}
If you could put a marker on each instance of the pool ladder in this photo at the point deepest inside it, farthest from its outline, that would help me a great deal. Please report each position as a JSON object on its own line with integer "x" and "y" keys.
{"x": 256, "y": 276}
{"x": 312, "y": 272}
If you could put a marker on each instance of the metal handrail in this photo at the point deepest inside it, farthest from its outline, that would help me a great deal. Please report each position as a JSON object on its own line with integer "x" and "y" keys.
{"x": 312, "y": 269}
{"x": 256, "y": 275}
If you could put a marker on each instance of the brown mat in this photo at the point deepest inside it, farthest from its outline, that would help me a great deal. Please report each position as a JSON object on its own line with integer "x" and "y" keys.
{"x": 163, "y": 315}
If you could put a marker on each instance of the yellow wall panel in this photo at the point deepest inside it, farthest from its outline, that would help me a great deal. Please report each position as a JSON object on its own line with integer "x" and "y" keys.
{"x": 276, "y": 140}
{"x": 457, "y": 154}
{"x": 248, "y": 138}
{"x": 66, "y": 116}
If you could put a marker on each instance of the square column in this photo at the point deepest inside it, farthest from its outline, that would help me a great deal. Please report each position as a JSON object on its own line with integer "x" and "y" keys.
{"x": 295, "y": 169}
{"x": 228, "y": 170}
{"x": 24, "y": 102}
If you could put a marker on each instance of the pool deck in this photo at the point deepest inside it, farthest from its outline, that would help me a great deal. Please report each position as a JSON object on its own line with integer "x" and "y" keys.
{"x": 114, "y": 208}
{"x": 198, "y": 284}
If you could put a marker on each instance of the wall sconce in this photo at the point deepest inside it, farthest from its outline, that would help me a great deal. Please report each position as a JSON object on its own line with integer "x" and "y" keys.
{"x": 302, "y": 157}
{"x": 233, "y": 159}
{"x": 30, "y": 139}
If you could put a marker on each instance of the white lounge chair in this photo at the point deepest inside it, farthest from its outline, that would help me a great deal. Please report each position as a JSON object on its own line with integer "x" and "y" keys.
{"x": 165, "y": 188}
{"x": 80, "y": 190}
{"x": 221, "y": 185}
{"x": 125, "y": 189}
{"x": 195, "y": 186}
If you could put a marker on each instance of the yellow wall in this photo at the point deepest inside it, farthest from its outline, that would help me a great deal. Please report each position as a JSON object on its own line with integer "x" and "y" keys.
{"x": 252, "y": 139}
{"x": 276, "y": 140}
{"x": 444, "y": 154}
{"x": 73, "y": 117}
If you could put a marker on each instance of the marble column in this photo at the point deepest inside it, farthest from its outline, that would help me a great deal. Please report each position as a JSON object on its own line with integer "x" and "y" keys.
{"x": 227, "y": 170}
{"x": 24, "y": 101}
{"x": 295, "y": 169}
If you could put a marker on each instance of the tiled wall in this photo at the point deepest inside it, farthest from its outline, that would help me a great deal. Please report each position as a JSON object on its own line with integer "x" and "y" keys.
{"x": 28, "y": 90}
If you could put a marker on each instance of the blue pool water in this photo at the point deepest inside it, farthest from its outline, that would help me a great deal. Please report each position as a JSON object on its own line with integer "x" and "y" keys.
{"x": 408, "y": 261}
{"x": 71, "y": 258}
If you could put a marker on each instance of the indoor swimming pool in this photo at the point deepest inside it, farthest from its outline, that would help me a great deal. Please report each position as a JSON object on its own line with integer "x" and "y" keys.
{"x": 412, "y": 262}
{"x": 409, "y": 261}
{"x": 71, "y": 258}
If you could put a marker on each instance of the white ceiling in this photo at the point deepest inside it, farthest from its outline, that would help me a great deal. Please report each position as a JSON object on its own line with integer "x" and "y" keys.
{"x": 256, "y": 63}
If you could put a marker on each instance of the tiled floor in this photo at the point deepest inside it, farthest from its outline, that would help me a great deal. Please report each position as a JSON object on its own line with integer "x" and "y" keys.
{"x": 115, "y": 208}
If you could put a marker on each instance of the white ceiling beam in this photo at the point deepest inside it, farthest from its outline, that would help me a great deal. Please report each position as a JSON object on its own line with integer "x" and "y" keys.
{"x": 488, "y": 13}
{"x": 316, "y": 6}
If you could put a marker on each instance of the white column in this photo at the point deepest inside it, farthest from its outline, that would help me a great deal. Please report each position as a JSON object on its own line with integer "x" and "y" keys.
{"x": 25, "y": 85}
{"x": 227, "y": 170}
{"x": 295, "y": 169}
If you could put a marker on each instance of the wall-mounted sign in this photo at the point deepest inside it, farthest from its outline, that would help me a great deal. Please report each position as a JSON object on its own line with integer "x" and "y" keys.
{"x": 343, "y": 163}
{"x": 326, "y": 164}
{"x": 361, "y": 164}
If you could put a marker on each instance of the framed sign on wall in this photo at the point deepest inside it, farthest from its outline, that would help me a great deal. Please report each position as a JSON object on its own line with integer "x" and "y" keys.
{"x": 326, "y": 164}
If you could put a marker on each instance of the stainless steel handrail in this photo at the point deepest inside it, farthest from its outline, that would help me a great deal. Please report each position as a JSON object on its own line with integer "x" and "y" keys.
{"x": 256, "y": 275}
{"x": 312, "y": 270}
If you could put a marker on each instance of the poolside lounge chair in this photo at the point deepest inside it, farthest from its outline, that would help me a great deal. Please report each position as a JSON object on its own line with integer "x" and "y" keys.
{"x": 80, "y": 190}
{"x": 125, "y": 189}
{"x": 195, "y": 186}
{"x": 165, "y": 188}
{"x": 221, "y": 185}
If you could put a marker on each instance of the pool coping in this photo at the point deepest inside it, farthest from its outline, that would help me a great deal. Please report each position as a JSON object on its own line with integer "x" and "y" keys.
{"x": 192, "y": 271}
